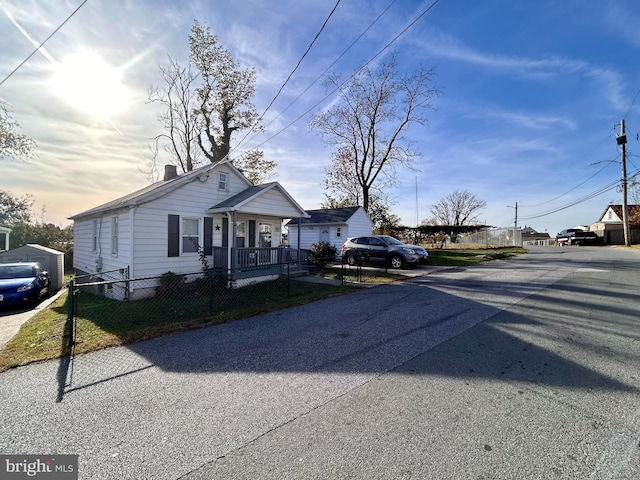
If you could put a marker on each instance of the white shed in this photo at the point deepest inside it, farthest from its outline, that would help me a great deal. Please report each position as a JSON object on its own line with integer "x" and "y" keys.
{"x": 51, "y": 260}
{"x": 332, "y": 225}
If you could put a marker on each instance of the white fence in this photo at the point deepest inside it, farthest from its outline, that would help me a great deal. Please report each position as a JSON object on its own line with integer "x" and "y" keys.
{"x": 494, "y": 236}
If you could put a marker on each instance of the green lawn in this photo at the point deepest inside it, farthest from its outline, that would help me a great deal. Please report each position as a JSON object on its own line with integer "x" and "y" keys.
{"x": 463, "y": 258}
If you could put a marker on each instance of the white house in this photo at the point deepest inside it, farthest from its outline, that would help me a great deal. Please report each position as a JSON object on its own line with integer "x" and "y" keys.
{"x": 213, "y": 211}
{"x": 609, "y": 226}
{"x": 332, "y": 225}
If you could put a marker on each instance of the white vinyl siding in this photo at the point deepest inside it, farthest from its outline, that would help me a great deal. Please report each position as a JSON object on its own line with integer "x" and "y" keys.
{"x": 151, "y": 226}
{"x": 358, "y": 224}
{"x": 89, "y": 248}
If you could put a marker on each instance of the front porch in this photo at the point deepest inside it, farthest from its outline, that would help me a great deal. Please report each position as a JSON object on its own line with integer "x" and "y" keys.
{"x": 252, "y": 262}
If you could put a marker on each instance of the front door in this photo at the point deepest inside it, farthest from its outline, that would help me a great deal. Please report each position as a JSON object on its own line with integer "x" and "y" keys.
{"x": 264, "y": 241}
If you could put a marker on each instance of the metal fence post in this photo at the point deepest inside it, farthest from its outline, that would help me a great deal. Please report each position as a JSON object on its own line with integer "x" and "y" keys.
{"x": 70, "y": 300}
{"x": 210, "y": 275}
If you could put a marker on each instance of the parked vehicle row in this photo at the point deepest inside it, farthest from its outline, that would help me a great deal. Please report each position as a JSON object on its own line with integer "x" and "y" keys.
{"x": 23, "y": 283}
{"x": 382, "y": 249}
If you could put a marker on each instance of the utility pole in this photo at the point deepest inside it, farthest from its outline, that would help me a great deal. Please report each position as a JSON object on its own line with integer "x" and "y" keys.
{"x": 622, "y": 141}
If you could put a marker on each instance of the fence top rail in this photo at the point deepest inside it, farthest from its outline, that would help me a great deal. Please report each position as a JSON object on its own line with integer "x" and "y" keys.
{"x": 157, "y": 277}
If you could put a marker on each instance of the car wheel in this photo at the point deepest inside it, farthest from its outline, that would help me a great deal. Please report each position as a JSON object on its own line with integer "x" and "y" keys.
{"x": 396, "y": 261}
{"x": 351, "y": 259}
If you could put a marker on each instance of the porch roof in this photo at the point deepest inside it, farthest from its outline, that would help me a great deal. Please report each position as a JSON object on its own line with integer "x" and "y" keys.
{"x": 240, "y": 201}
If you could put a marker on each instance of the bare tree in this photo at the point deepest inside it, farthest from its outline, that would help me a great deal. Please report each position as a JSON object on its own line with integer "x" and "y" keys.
{"x": 205, "y": 103}
{"x": 178, "y": 118}
{"x": 12, "y": 143}
{"x": 340, "y": 178}
{"x": 458, "y": 208}
{"x": 369, "y": 119}
{"x": 253, "y": 166}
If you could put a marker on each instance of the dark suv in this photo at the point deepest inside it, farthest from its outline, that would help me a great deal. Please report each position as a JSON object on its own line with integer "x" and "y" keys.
{"x": 382, "y": 248}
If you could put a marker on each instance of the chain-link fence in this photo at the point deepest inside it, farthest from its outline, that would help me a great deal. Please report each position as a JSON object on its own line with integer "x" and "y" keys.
{"x": 493, "y": 237}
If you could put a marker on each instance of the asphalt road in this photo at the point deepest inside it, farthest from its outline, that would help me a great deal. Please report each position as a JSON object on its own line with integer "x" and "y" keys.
{"x": 515, "y": 369}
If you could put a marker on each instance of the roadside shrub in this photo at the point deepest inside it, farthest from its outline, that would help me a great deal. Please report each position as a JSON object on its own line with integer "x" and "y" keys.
{"x": 322, "y": 253}
{"x": 171, "y": 285}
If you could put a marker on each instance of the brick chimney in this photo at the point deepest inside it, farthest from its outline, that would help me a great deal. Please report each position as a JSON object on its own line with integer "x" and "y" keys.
{"x": 170, "y": 172}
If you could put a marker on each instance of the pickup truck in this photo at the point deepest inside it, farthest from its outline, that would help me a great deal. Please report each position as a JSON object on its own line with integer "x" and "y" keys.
{"x": 575, "y": 236}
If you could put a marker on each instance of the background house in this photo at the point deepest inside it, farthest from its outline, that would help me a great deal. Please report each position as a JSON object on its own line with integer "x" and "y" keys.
{"x": 4, "y": 238}
{"x": 610, "y": 226}
{"x": 212, "y": 213}
{"x": 332, "y": 225}
{"x": 531, "y": 237}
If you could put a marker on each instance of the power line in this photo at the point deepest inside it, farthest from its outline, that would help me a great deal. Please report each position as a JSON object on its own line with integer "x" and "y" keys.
{"x": 587, "y": 197}
{"x": 424, "y": 12}
{"x": 338, "y": 58}
{"x": 632, "y": 103}
{"x": 569, "y": 191}
{"x": 319, "y": 76}
{"x": 42, "y": 44}
{"x": 301, "y": 58}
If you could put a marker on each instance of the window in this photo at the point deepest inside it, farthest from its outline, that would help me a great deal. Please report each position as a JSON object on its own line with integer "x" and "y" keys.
{"x": 114, "y": 235}
{"x": 241, "y": 234}
{"x": 190, "y": 235}
{"x": 222, "y": 181}
{"x": 338, "y": 232}
{"x": 94, "y": 242}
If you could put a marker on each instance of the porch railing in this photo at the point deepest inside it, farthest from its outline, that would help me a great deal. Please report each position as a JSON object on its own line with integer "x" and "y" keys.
{"x": 255, "y": 257}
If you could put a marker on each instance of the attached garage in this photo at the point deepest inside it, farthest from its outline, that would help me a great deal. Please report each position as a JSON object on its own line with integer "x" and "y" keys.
{"x": 51, "y": 260}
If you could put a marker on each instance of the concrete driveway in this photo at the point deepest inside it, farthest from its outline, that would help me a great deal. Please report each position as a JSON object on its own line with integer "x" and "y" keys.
{"x": 12, "y": 318}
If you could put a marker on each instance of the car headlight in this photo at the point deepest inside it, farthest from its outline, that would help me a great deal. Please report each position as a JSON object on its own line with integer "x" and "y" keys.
{"x": 410, "y": 251}
{"x": 26, "y": 287}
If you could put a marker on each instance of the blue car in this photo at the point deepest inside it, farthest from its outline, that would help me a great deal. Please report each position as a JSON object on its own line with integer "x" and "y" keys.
{"x": 22, "y": 283}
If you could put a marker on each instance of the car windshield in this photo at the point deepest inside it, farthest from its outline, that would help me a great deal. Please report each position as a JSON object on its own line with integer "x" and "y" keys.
{"x": 390, "y": 240}
{"x": 15, "y": 271}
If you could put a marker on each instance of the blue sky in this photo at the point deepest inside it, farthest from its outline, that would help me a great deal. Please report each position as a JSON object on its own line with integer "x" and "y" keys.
{"x": 531, "y": 91}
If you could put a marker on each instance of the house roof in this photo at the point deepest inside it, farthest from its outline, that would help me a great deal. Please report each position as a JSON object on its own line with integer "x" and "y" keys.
{"x": 155, "y": 190}
{"x": 534, "y": 236}
{"x": 35, "y": 246}
{"x": 326, "y": 216}
{"x": 237, "y": 201}
{"x": 633, "y": 211}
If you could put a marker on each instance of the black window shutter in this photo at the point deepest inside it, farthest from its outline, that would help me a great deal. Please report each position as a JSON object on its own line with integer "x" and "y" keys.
{"x": 208, "y": 235}
{"x": 225, "y": 232}
{"x": 173, "y": 239}
{"x": 252, "y": 233}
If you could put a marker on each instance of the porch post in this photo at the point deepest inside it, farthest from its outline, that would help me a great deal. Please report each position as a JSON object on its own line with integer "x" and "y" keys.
{"x": 233, "y": 231}
{"x": 298, "y": 254}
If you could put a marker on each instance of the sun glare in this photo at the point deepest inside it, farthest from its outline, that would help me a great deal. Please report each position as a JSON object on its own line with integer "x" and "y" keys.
{"x": 87, "y": 83}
